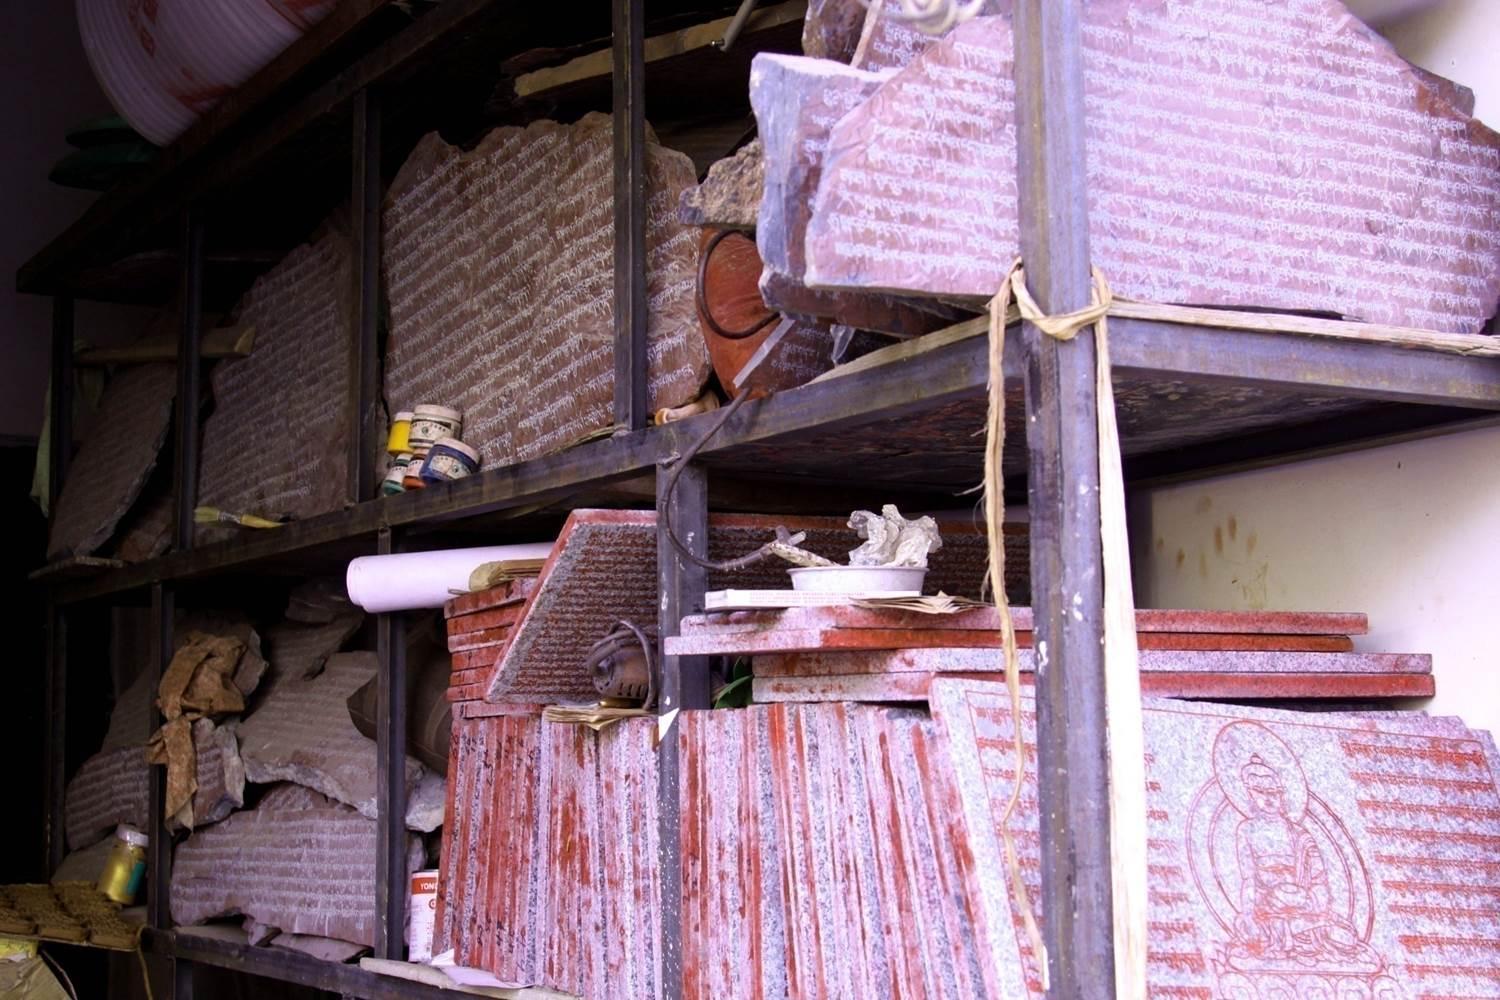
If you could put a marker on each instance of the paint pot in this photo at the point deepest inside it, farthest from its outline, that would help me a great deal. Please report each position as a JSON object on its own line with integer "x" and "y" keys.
{"x": 399, "y": 440}
{"x": 450, "y": 459}
{"x": 430, "y": 424}
{"x": 413, "y": 480}
{"x": 394, "y": 476}
{"x": 424, "y": 893}
{"x": 126, "y": 866}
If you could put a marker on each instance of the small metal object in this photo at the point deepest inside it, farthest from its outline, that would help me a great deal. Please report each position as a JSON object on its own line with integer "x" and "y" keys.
{"x": 621, "y": 664}
{"x": 737, "y": 25}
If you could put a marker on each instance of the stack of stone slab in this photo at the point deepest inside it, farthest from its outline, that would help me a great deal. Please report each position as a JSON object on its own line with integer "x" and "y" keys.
{"x": 499, "y": 272}
{"x": 881, "y": 654}
{"x": 1286, "y": 158}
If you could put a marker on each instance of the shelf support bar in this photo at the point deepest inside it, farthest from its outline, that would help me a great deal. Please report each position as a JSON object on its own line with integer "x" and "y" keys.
{"x": 365, "y": 425}
{"x": 159, "y": 853}
{"x": 1067, "y": 578}
{"x": 189, "y": 382}
{"x": 390, "y": 763}
{"x": 60, "y": 416}
{"x": 684, "y": 686}
{"x": 182, "y": 979}
{"x": 631, "y": 400}
{"x": 56, "y": 708}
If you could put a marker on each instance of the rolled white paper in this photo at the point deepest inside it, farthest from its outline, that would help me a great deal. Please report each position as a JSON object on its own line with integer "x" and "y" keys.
{"x": 404, "y": 581}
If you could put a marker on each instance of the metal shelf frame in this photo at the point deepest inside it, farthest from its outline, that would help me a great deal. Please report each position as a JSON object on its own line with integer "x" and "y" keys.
{"x": 1062, "y": 479}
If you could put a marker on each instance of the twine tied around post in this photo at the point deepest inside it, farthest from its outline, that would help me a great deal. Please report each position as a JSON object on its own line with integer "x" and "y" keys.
{"x": 1126, "y": 744}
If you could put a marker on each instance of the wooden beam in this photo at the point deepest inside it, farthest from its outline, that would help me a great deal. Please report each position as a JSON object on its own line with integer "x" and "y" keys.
{"x": 656, "y": 48}
{"x": 390, "y": 772}
{"x": 1067, "y": 575}
{"x": 366, "y": 429}
{"x": 220, "y": 342}
{"x": 189, "y": 383}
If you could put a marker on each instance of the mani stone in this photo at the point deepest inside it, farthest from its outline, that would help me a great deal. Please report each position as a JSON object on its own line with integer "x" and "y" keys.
{"x": 1283, "y": 157}
{"x": 302, "y": 733}
{"x": 797, "y": 102}
{"x": 1289, "y": 855}
{"x": 549, "y": 872}
{"x": 277, "y": 441}
{"x": 729, "y": 197}
{"x": 115, "y": 460}
{"x": 305, "y": 867}
{"x": 599, "y": 573}
{"x": 500, "y": 274}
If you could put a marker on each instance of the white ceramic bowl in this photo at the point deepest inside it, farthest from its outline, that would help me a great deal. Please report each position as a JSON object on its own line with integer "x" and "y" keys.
{"x": 887, "y": 580}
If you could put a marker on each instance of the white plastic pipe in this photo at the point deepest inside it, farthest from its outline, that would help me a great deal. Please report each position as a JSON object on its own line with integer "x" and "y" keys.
{"x": 404, "y": 581}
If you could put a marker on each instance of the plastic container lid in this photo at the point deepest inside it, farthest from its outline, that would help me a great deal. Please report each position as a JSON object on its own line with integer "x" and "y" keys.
{"x": 402, "y": 415}
{"x": 454, "y": 444}
{"x": 431, "y": 410}
{"x": 132, "y": 836}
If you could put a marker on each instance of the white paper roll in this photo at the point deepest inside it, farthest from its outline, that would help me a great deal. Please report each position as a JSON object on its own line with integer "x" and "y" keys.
{"x": 407, "y": 580}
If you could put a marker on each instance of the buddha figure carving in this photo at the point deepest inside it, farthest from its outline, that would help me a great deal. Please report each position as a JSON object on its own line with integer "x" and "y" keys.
{"x": 1281, "y": 875}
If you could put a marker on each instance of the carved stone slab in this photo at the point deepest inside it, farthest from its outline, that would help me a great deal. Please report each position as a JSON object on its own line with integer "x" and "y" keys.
{"x": 729, "y": 197}
{"x": 115, "y": 460}
{"x": 1290, "y": 855}
{"x": 499, "y": 265}
{"x": 1283, "y": 157}
{"x": 601, "y": 571}
{"x": 276, "y": 441}
{"x": 303, "y": 866}
{"x": 302, "y": 733}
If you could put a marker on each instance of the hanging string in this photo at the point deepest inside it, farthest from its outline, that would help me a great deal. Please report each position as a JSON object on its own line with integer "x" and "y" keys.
{"x": 1127, "y": 781}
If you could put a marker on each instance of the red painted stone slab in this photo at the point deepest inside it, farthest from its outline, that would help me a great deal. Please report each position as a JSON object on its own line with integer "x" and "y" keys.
{"x": 476, "y": 659}
{"x": 1146, "y": 620}
{"x": 1359, "y": 189}
{"x": 1392, "y": 824}
{"x": 493, "y": 618}
{"x": 486, "y": 638}
{"x": 602, "y": 570}
{"x": 1282, "y": 686}
{"x": 494, "y": 597}
{"x": 970, "y": 660}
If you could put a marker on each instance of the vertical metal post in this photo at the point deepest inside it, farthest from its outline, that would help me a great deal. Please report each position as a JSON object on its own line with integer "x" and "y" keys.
{"x": 630, "y": 213}
{"x": 189, "y": 379}
{"x": 182, "y": 979}
{"x": 55, "y": 696}
{"x": 60, "y": 417}
{"x": 56, "y": 708}
{"x": 159, "y": 864}
{"x": 365, "y": 426}
{"x": 1067, "y": 580}
{"x": 684, "y": 686}
{"x": 390, "y": 765}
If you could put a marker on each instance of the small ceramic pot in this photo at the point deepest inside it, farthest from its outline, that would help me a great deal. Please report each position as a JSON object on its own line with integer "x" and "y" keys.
{"x": 450, "y": 459}
{"x": 430, "y": 424}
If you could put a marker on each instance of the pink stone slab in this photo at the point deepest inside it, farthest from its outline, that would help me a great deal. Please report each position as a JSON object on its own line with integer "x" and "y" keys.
{"x": 988, "y": 619}
{"x": 1196, "y": 684}
{"x": 818, "y": 663}
{"x": 1285, "y": 158}
{"x": 1397, "y": 831}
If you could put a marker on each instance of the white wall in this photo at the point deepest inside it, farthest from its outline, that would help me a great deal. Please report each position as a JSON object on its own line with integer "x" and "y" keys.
{"x": 1408, "y": 533}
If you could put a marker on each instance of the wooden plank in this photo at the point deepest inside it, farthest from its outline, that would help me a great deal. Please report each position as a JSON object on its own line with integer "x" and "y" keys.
{"x": 60, "y": 400}
{"x": 655, "y": 49}
{"x": 56, "y": 722}
{"x": 220, "y": 342}
{"x": 159, "y": 853}
{"x": 1066, "y": 552}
